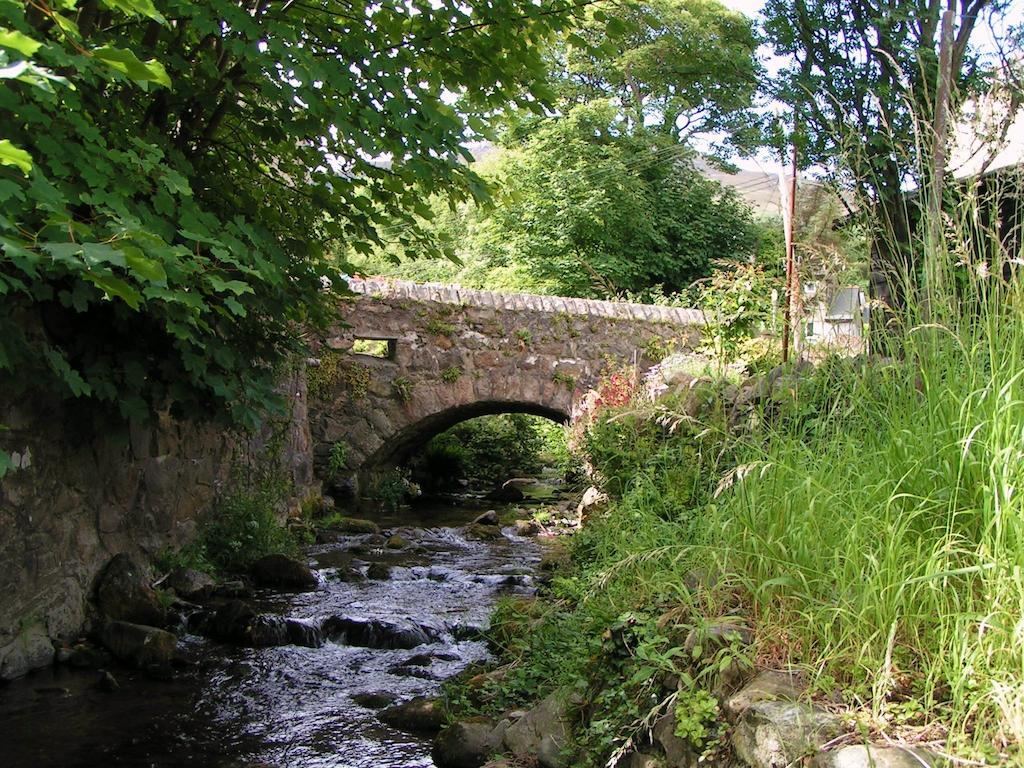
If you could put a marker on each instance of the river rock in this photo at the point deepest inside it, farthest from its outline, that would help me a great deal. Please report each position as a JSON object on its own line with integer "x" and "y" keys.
{"x": 420, "y": 715}
{"x": 678, "y": 752}
{"x": 872, "y": 756}
{"x": 123, "y": 594}
{"x": 283, "y": 572}
{"x": 466, "y": 744}
{"x": 769, "y": 685}
{"x": 396, "y": 542}
{"x": 88, "y": 656}
{"x": 374, "y": 699}
{"x": 528, "y": 528}
{"x": 777, "y": 734}
{"x": 139, "y": 645}
{"x": 510, "y": 491}
{"x": 30, "y": 649}
{"x": 378, "y": 633}
{"x": 238, "y": 623}
{"x": 482, "y": 532}
{"x": 378, "y": 572}
{"x": 490, "y": 517}
{"x": 107, "y": 682}
{"x": 304, "y": 634}
{"x": 353, "y": 525}
{"x": 542, "y": 733}
{"x": 189, "y": 583}
{"x": 592, "y": 497}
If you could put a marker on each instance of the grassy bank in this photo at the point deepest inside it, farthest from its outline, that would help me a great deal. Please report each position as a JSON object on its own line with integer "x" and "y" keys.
{"x": 867, "y": 522}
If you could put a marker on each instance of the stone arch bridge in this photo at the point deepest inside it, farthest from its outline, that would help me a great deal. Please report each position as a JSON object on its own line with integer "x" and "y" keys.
{"x": 407, "y": 361}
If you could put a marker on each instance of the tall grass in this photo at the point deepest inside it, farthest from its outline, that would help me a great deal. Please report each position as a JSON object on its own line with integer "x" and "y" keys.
{"x": 885, "y": 550}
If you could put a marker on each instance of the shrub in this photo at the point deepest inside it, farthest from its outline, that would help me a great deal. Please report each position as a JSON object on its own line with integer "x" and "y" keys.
{"x": 451, "y": 374}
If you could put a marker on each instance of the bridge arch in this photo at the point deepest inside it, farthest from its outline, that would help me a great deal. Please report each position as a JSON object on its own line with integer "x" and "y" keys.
{"x": 442, "y": 355}
{"x": 398, "y": 448}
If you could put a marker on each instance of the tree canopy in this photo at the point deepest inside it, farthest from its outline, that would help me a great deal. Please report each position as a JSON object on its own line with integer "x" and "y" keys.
{"x": 594, "y": 211}
{"x": 173, "y": 174}
{"x": 585, "y": 208}
{"x": 679, "y": 67}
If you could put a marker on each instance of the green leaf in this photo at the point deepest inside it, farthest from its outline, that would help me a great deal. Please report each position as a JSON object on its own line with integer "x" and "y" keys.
{"x": 115, "y": 286}
{"x": 136, "y": 8}
{"x": 18, "y": 41}
{"x": 6, "y": 463}
{"x": 235, "y": 306}
{"x": 12, "y": 155}
{"x": 128, "y": 63}
{"x": 150, "y": 270}
{"x": 237, "y": 287}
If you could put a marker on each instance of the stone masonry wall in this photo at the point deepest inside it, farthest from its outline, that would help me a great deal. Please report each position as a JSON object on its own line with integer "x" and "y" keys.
{"x": 79, "y": 495}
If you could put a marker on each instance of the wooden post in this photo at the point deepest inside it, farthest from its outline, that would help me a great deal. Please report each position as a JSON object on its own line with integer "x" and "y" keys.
{"x": 790, "y": 266}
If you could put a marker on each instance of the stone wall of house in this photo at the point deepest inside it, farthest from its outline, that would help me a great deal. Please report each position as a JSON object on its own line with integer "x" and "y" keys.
{"x": 81, "y": 493}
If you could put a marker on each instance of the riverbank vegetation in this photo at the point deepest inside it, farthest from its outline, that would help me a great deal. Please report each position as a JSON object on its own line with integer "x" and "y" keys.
{"x": 862, "y": 519}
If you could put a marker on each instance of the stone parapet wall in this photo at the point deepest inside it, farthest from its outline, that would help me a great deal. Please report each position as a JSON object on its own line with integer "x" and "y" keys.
{"x": 525, "y": 302}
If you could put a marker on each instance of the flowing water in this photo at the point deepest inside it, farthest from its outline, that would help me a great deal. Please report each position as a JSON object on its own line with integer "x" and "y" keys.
{"x": 288, "y": 706}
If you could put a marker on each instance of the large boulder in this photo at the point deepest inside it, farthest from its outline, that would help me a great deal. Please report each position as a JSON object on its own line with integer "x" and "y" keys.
{"x": 139, "y": 645}
{"x": 238, "y": 623}
{"x": 679, "y": 753}
{"x": 466, "y": 744}
{"x": 528, "y": 528}
{"x": 379, "y": 633}
{"x": 510, "y": 490}
{"x": 420, "y": 715}
{"x": 590, "y": 501}
{"x": 482, "y": 532}
{"x": 123, "y": 593}
{"x": 30, "y": 649}
{"x": 777, "y": 734}
{"x": 352, "y": 525}
{"x": 769, "y": 685}
{"x": 189, "y": 583}
{"x": 283, "y": 572}
{"x": 872, "y": 756}
{"x": 542, "y": 733}
{"x": 490, "y": 517}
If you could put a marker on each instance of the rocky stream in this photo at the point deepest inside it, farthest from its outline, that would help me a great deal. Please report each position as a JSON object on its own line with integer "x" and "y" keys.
{"x": 392, "y": 615}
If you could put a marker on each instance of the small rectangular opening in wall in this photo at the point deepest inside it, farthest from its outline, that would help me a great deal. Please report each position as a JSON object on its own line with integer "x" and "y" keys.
{"x": 384, "y": 348}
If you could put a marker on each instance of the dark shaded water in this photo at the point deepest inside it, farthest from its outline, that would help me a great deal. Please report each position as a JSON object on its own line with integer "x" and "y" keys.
{"x": 285, "y": 706}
